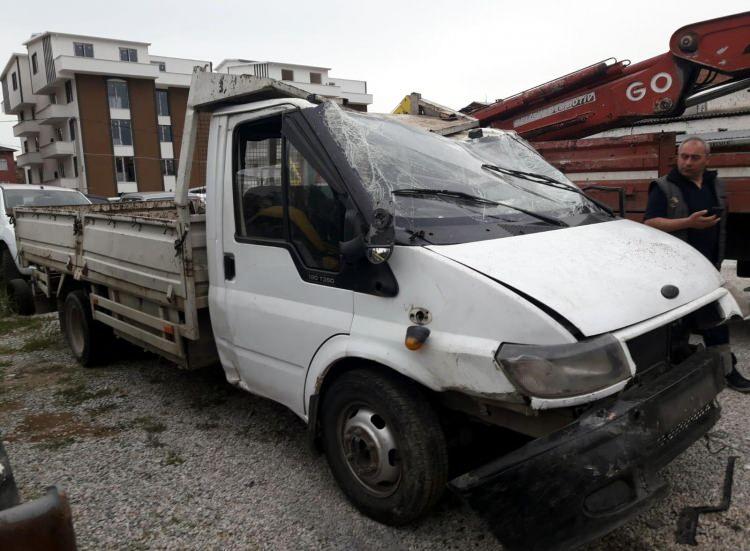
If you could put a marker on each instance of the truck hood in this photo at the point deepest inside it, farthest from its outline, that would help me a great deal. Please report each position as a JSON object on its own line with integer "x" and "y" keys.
{"x": 600, "y": 277}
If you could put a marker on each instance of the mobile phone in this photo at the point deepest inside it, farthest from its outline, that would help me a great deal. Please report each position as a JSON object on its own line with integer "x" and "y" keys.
{"x": 716, "y": 211}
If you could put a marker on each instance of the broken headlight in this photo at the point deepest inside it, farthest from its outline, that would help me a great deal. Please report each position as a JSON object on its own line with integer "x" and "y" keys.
{"x": 564, "y": 370}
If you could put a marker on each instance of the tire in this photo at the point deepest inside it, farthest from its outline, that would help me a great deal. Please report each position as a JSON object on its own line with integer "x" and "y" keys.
{"x": 20, "y": 297}
{"x": 9, "y": 268}
{"x": 384, "y": 444}
{"x": 89, "y": 340}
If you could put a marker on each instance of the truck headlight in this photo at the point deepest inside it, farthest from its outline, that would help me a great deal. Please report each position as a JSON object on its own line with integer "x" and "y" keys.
{"x": 563, "y": 370}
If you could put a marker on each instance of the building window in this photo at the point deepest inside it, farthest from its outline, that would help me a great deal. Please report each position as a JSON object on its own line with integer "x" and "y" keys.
{"x": 129, "y": 54}
{"x": 72, "y": 129}
{"x": 75, "y": 167}
{"x": 168, "y": 167}
{"x": 3, "y": 164}
{"x": 58, "y": 134}
{"x": 161, "y": 64}
{"x": 316, "y": 78}
{"x": 68, "y": 91}
{"x": 14, "y": 78}
{"x": 21, "y": 116}
{"x": 165, "y": 133}
{"x": 121, "y": 132}
{"x": 61, "y": 168}
{"x": 162, "y": 103}
{"x": 117, "y": 91}
{"x": 34, "y": 65}
{"x": 125, "y": 169}
{"x": 25, "y": 146}
{"x": 53, "y": 99}
{"x": 287, "y": 74}
{"x": 83, "y": 49}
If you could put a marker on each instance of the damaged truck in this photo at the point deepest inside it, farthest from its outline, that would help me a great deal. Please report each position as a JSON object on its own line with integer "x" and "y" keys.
{"x": 442, "y": 314}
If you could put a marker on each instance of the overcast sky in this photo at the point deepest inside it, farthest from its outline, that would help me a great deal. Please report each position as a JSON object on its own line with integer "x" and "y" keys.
{"x": 452, "y": 51}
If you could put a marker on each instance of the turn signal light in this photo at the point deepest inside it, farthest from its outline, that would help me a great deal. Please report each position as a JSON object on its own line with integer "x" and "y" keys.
{"x": 416, "y": 335}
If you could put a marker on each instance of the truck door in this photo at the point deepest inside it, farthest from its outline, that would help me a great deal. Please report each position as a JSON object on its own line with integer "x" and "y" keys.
{"x": 282, "y": 224}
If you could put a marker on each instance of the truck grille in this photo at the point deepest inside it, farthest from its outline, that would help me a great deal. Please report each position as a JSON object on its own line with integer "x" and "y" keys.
{"x": 650, "y": 349}
{"x": 684, "y": 425}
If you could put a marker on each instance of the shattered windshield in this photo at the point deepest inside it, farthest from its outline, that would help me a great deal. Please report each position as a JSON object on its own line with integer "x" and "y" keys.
{"x": 392, "y": 157}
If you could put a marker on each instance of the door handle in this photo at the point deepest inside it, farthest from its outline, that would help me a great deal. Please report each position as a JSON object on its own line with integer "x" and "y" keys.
{"x": 229, "y": 266}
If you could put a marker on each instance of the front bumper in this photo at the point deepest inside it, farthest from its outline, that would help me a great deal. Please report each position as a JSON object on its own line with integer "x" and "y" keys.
{"x": 583, "y": 481}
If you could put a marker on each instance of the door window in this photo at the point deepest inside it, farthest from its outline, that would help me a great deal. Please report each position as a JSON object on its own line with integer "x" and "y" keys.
{"x": 316, "y": 215}
{"x": 259, "y": 211}
{"x": 278, "y": 195}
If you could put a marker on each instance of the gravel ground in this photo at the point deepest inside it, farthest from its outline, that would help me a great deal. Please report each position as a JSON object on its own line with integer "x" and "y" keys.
{"x": 157, "y": 458}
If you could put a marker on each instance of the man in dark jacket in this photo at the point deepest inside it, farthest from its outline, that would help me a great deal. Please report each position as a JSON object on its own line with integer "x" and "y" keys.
{"x": 689, "y": 203}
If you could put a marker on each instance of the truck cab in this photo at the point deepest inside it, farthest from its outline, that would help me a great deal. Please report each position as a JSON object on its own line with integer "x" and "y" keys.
{"x": 354, "y": 256}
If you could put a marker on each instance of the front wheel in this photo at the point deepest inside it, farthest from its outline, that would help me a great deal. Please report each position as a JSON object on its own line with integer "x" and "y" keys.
{"x": 384, "y": 444}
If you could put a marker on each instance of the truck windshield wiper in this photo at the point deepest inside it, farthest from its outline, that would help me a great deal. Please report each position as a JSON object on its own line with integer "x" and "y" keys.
{"x": 544, "y": 180}
{"x": 477, "y": 200}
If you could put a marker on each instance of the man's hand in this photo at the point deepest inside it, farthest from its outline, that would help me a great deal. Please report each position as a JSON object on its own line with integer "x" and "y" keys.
{"x": 699, "y": 221}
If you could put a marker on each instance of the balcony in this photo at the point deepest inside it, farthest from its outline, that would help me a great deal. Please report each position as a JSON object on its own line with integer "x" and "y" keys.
{"x": 26, "y": 129}
{"x": 57, "y": 150}
{"x": 56, "y": 113}
{"x": 71, "y": 183}
{"x": 67, "y": 66}
{"x": 32, "y": 158}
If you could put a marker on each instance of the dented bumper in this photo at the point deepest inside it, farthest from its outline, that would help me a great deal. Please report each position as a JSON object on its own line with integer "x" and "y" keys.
{"x": 583, "y": 481}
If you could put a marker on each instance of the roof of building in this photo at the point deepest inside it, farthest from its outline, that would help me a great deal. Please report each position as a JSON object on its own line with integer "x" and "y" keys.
{"x": 9, "y": 62}
{"x": 39, "y": 36}
{"x": 4, "y": 149}
{"x": 239, "y": 62}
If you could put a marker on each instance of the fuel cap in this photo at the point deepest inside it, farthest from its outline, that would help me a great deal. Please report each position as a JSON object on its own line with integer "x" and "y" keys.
{"x": 670, "y": 291}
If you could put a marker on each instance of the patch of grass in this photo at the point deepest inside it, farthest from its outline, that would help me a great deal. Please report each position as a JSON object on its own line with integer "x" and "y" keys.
{"x": 6, "y": 350}
{"x": 150, "y": 424}
{"x": 152, "y": 441}
{"x": 207, "y": 425}
{"x": 173, "y": 458}
{"x": 78, "y": 394}
{"x": 104, "y": 408}
{"x": 18, "y": 323}
{"x": 5, "y": 363}
{"x": 44, "y": 341}
{"x": 209, "y": 400}
{"x": 55, "y": 444}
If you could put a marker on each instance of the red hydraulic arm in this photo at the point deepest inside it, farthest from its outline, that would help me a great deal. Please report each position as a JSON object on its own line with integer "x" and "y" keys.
{"x": 705, "y": 60}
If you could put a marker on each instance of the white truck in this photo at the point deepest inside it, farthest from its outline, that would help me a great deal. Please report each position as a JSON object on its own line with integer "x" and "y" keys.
{"x": 409, "y": 297}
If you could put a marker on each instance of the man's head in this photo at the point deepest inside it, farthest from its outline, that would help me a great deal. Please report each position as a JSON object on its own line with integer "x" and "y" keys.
{"x": 692, "y": 157}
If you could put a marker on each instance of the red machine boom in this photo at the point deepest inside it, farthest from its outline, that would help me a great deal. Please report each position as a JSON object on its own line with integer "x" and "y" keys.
{"x": 705, "y": 60}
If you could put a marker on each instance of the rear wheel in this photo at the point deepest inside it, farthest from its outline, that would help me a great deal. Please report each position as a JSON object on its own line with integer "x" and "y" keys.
{"x": 20, "y": 297}
{"x": 89, "y": 340}
{"x": 384, "y": 444}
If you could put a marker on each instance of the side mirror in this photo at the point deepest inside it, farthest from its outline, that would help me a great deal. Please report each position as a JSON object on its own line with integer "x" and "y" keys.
{"x": 380, "y": 237}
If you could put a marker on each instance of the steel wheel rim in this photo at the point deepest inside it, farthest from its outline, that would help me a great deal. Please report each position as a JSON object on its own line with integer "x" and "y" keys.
{"x": 369, "y": 449}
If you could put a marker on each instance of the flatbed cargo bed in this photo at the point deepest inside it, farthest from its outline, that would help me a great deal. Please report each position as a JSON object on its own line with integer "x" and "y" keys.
{"x": 147, "y": 269}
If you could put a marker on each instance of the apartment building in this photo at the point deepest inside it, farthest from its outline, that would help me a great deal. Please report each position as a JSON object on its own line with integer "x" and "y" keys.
{"x": 97, "y": 114}
{"x": 316, "y": 80}
{"x": 7, "y": 165}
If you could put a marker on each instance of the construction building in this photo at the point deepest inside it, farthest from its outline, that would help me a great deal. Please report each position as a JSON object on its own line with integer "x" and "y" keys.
{"x": 7, "y": 165}
{"x": 97, "y": 114}
{"x": 316, "y": 80}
